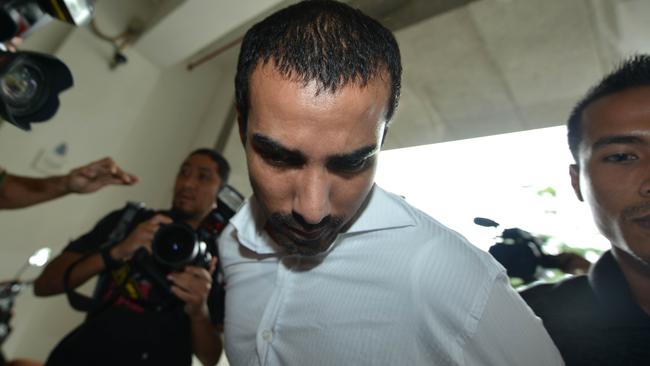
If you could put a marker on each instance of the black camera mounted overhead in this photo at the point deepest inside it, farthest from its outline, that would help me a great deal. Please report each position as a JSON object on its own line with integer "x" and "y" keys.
{"x": 30, "y": 82}
{"x": 29, "y": 87}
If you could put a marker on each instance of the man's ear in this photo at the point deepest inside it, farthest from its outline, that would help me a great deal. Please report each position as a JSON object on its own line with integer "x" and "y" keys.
{"x": 383, "y": 137}
{"x": 574, "y": 172}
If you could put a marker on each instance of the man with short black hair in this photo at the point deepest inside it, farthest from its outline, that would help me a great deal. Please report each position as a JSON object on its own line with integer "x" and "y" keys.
{"x": 322, "y": 267}
{"x": 134, "y": 320}
{"x": 604, "y": 318}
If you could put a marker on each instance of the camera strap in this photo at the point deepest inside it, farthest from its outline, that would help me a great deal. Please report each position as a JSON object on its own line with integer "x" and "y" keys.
{"x": 86, "y": 303}
{"x": 94, "y": 304}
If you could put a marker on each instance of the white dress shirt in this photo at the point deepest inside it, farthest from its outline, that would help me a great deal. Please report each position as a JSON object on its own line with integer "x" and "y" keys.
{"x": 398, "y": 288}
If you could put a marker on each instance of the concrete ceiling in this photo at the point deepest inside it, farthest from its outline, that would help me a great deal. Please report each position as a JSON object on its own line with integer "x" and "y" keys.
{"x": 188, "y": 27}
{"x": 501, "y": 66}
{"x": 471, "y": 68}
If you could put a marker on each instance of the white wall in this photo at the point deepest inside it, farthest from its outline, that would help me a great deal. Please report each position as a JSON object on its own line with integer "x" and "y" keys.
{"x": 224, "y": 99}
{"x": 146, "y": 118}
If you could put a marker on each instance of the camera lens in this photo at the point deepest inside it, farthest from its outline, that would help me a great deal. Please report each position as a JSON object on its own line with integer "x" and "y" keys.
{"x": 22, "y": 89}
{"x": 175, "y": 245}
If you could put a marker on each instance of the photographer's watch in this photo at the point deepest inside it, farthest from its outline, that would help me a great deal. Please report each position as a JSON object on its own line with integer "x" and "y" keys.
{"x": 109, "y": 262}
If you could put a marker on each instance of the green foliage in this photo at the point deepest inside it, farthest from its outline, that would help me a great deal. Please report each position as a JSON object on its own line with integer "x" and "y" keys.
{"x": 547, "y": 191}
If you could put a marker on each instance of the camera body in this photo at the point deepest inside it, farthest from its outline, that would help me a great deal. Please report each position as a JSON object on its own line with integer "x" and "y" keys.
{"x": 173, "y": 247}
{"x": 177, "y": 245}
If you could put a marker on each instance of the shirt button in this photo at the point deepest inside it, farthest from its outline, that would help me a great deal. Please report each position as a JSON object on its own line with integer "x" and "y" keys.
{"x": 267, "y": 335}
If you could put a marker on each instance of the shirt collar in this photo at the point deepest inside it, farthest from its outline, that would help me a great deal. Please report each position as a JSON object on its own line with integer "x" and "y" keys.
{"x": 381, "y": 211}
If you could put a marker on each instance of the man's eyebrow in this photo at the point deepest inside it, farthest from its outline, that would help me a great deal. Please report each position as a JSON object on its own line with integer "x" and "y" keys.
{"x": 617, "y": 139}
{"x": 354, "y": 156}
{"x": 269, "y": 145}
{"x": 205, "y": 170}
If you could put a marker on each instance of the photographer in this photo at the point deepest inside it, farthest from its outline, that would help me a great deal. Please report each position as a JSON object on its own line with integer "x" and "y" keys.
{"x": 137, "y": 323}
{"x": 18, "y": 191}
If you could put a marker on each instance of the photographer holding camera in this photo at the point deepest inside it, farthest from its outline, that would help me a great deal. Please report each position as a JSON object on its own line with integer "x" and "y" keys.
{"x": 133, "y": 320}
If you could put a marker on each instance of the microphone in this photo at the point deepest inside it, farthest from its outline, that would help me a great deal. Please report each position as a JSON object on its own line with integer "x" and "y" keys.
{"x": 485, "y": 222}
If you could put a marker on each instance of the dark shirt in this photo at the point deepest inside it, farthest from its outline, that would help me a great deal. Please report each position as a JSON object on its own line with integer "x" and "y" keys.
{"x": 593, "y": 319}
{"x": 143, "y": 323}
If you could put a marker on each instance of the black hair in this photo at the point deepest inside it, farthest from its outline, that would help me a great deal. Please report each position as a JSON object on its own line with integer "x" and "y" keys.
{"x": 223, "y": 168}
{"x": 319, "y": 40}
{"x": 632, "y": 73}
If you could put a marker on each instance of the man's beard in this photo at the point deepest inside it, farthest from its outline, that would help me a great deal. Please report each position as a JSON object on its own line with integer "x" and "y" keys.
{"x": 283, "y": 227}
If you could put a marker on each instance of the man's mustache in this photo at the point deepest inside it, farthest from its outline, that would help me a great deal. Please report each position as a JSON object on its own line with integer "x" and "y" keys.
{"x": 291, "y": 220}
{"x": 636, "y": 211}
{"x": 184, "y": 191}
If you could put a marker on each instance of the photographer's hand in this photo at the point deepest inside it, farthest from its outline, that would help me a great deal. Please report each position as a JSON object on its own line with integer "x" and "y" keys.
{"x": 140, "y": 237}
{"x": 193, "y": 287}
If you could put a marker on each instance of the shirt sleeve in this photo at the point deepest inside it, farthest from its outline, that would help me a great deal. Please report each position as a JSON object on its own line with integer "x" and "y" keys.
{"x": 93, "y": 239}
{"x": 509, "y": 333}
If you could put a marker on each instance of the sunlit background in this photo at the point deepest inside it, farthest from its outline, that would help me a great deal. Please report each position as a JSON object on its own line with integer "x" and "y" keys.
{"x": 517, "y": 179}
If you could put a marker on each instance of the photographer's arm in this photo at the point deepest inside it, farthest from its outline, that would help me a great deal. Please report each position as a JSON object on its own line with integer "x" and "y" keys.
{"x": 50, "y": 281}
{"x": 206, "y": 341}
{"x": 18, "y": 191}
{"x": 193, "y": 287}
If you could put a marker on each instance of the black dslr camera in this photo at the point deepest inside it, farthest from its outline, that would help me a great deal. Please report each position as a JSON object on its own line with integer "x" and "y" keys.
{"x": 177, "y": 245}
{"x": 173, "y": 247}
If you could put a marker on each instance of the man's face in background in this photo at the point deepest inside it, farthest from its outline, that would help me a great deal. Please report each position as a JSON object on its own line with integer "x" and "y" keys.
{"x": 614, "y": 169}
{"x": 197, "y": 186}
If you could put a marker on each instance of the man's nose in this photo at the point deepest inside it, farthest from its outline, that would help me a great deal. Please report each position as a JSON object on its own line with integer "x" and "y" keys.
{"x": 312, "y": 199}
{"x": 644, "y": 189}
{"x": 188, "y": 182}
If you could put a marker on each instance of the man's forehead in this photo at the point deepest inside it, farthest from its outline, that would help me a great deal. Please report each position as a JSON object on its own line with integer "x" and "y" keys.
{"x": 627, "y": 111}
{"x": 268, "y": 71}
{"x": 201, "y": 162}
